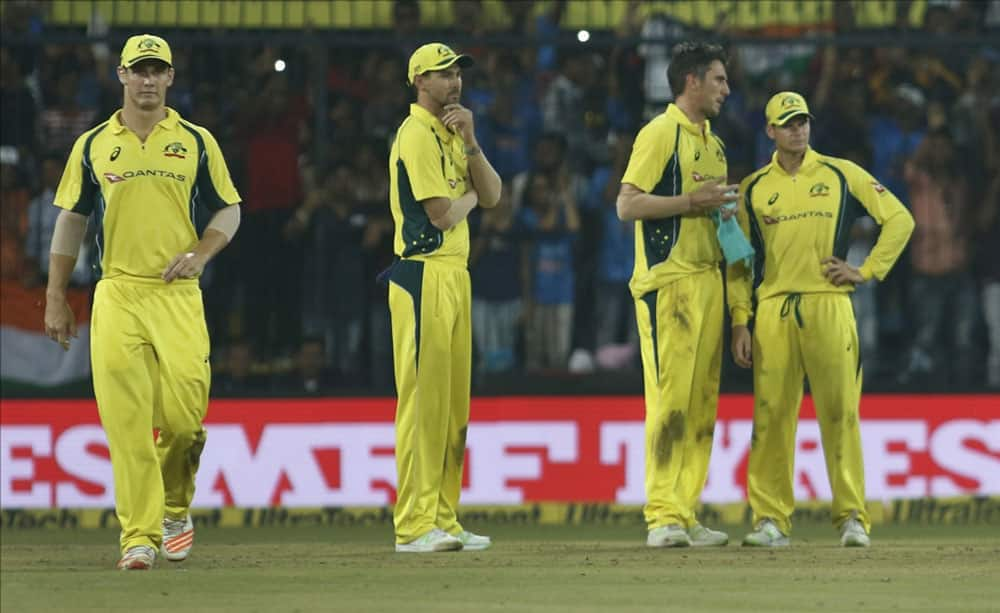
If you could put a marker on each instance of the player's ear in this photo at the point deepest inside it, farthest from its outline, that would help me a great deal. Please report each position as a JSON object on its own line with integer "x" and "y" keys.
{"x": 770, "y": 131}
{"x": 691, "y": 81}
{"x": 170, "y": 76}
{"x": 122, "y": 74}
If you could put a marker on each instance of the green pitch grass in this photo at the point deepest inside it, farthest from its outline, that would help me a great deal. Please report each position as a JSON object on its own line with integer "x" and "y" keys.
{"x": 543, "y": 569}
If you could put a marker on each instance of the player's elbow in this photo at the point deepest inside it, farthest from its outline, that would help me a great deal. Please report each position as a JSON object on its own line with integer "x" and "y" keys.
{"x": 439, "y": 212}
{"x": 908, "y": 223}
{"x": 490, "y": 200}
{"x": 442, "y": 223}
{"x": 901, "y": 224}
{"x": 624, "y": 207}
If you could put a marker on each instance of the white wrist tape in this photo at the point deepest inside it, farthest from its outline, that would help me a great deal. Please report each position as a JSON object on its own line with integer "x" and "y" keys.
{"x": 68, "y": 234}
{"x": 226, "y": 221}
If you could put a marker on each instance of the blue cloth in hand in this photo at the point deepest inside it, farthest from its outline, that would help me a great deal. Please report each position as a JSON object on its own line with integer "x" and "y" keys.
{"x": 734, "y": 244}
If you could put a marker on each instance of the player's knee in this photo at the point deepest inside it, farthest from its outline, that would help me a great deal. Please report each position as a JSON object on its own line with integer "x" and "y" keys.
{"x": 191, "y": 442}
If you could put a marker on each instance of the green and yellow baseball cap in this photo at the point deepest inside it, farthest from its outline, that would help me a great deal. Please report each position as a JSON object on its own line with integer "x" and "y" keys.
{"x": 434, "y": 56}
{"x": 785, "y": 105}
{"x": 145, "y": 47}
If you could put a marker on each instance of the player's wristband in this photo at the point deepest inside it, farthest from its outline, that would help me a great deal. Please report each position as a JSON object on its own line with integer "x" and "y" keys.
{"x": 471, "y": 151}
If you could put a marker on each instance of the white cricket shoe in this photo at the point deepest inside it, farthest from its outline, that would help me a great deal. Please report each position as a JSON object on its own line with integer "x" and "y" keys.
{"x": 705, "y": 537}
{"x": 472, "y": 541}
{"x": 852, "y": 534}
{"x": 429, "y": 542}
{"x": 178, "y": 537}
{"x": 140, "y": 557}
{"x": 668, "y": 536}
{"x": 766, "y": 534}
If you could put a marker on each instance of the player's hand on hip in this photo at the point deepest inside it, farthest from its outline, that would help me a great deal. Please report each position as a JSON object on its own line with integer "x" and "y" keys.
{"x": 711, "y": 195}
{"x": 186, "y": 265}
{"x": 839, "y": 272}
{"x": 742, "y": 347}
{"x": 60, "y": 325}
{"x": 458, "y": 119}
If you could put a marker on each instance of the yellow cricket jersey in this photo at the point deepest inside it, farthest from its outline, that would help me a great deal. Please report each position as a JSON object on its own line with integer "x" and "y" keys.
{"x": 672, "y": 156}
{"x": 427, "y": 161}
{"x": 149, "y": 199}
{"x": 794, "y": 222}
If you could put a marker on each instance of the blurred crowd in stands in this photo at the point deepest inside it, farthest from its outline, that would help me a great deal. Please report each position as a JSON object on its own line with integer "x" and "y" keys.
{"x": 293, "y": 306}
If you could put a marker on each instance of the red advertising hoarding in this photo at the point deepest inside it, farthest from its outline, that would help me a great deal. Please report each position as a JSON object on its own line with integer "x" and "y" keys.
{"x": 339, "y": 452}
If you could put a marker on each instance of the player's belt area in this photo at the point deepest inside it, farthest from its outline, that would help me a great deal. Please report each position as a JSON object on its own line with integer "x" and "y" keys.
{"x": 792, "y": 303}
{"x": 384, "y": 276}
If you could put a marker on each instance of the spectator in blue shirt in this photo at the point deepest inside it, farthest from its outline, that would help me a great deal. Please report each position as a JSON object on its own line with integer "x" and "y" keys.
{"x": 551, "y": 222}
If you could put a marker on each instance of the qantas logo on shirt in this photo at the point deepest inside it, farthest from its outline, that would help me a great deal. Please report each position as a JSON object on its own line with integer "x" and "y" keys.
{"x": 769, "y": 220}
{"x": 128, "y": 174}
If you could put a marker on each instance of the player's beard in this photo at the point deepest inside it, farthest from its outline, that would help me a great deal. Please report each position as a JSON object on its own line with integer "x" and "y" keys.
{"x": 147, "y": 103}
{"x": 710, "y": 111}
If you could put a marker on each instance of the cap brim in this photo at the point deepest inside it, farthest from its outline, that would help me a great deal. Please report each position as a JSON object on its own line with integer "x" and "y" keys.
{"x": 784, "y": 118}
{"x": 463, "y": 61}
{"x": 144, "y": 58}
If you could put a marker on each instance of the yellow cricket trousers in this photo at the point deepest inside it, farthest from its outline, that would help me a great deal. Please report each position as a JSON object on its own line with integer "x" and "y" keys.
{"x": 811, "y": 335}
{"x": 680, "y": 332}
{"x": 149, "y": 353}
{"x": 431, "y": 308}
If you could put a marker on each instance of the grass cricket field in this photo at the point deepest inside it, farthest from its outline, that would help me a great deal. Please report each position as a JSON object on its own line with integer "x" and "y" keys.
{"x": 540, "y": 568}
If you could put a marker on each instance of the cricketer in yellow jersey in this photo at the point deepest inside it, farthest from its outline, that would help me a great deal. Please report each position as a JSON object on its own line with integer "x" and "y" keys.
{"x": 149, "y": 179}
{"x": 674, "y": 181}
{"x": 798, "y": 211}
{"x": 437, "y": 175}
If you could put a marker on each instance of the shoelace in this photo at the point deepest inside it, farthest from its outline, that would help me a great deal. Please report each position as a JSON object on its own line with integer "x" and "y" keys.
{"x": 792, "y": 302}
{"x": 433, "y": 534}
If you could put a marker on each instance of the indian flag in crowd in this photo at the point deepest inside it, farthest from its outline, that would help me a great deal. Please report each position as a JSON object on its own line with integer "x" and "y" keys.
{"x": 27, "y": 355}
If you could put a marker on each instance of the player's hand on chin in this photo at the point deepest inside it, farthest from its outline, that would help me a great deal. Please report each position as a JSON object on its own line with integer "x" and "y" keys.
{"x": 459, "y": 119}
{"x": 186, "y": 265}
{"x": 839, "y": 272}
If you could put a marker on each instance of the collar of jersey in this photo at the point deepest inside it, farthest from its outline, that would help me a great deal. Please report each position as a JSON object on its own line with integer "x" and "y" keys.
{"x": 810, "y": 159}
{"x": 675, "y": 112}
{"x": 168, "y": 123}
{"x": 424, "y": 116}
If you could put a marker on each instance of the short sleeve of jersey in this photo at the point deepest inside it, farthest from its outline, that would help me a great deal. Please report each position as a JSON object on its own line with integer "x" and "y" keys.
{"x": 650, "y": 153}
{"x": 77, "y": 191}
{"x": 873, "y": 196}
{"x": 213, "y": 175}
{"x": 423, "y": 158}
